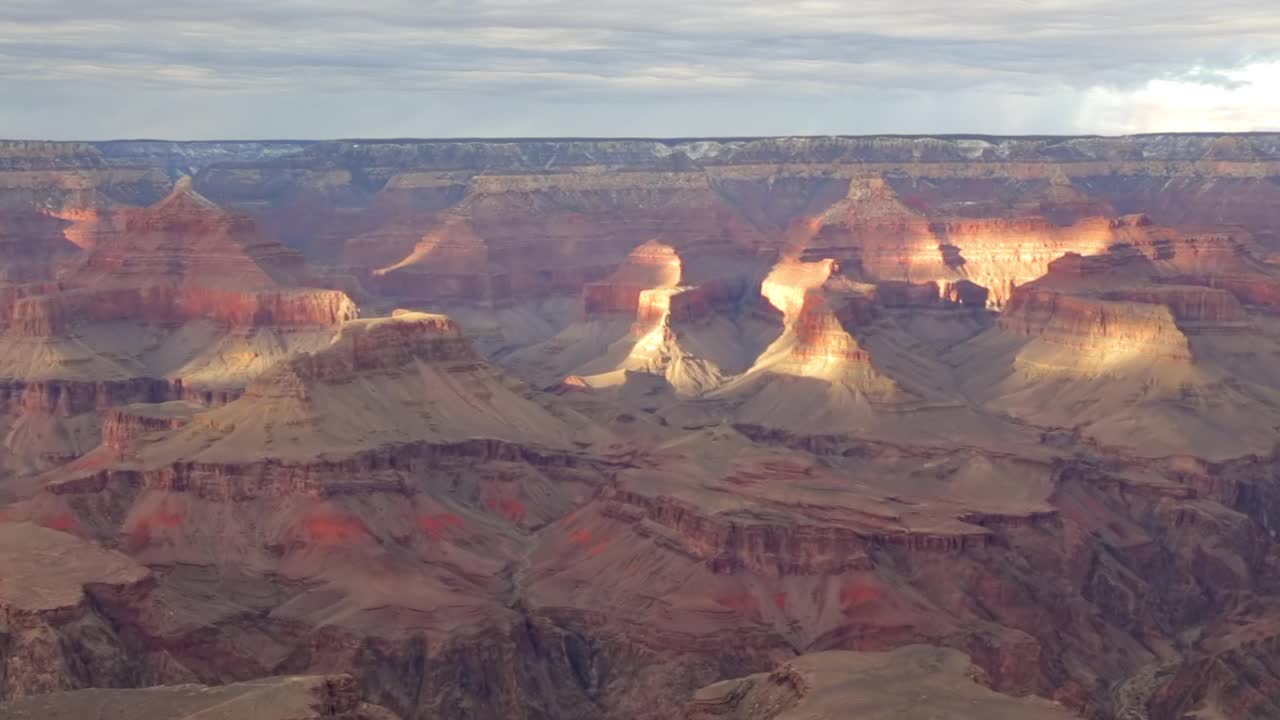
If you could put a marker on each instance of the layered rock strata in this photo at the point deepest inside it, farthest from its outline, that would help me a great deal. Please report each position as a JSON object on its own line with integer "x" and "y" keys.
{"x": 288, "y": 698}
{"x": 915, "y": 682}
{"x": 52, "y": 589}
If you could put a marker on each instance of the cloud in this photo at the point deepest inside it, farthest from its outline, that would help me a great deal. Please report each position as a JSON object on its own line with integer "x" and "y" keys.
{"x": 1240, "y": 99}
{"x": 326, "y": 68}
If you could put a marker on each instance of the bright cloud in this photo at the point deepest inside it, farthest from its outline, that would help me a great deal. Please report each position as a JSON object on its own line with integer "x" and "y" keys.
{"x": 1230, "y": 100}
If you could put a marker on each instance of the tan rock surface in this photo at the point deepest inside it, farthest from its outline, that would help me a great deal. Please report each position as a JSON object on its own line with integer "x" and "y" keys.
{"x": 912, "y": 683}
{"x": 288, "y": 698}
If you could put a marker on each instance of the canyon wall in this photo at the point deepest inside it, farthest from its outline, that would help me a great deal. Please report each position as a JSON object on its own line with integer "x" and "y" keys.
{"x": 1012, "y": 399}
{"x": 488, "y": 221}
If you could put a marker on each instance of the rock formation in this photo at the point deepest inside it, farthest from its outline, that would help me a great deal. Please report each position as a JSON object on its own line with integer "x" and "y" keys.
{"x": 1134, "y": 338}
{"x": 187, "y": 239}
{"x": 721, "y": 428}
{"x": 913, "y": 683}
{"x": 691, "y": 323}
{"x": 186, "y": 302}
{"x": 287, "y": 698}
{"x": 34, "y": 247}
{"x": 52, "y": 592}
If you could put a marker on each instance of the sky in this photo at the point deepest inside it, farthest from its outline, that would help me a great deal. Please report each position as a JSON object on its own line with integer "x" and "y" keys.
{"x": 302, "y": 69}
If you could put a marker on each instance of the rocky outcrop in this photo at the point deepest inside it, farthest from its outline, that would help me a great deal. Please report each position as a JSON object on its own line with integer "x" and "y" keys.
{"x": 728, "y": 545}
{"x": 54, "y": 314}
{"x": 187, "y": 239}
{"x": 51, "y": 422}
{"x": 877, "y": 236}
{"x": 870, "y": 231}
{"x": 957, "y": 293}
{"x": 822, "y": 337}
{"x": 379, "y": 345}
{"x": 520, "y": 236}
{"x": 319, "y": 697}
{"x": 1238, "y": 682}
{"x": 652, "y": 266}
{"x": 182, "y": 259}
{"x": 1188, "y": 304}
{"x": 123, "y": 426}
{"x": 34, "y": 247}
{"x": 177, "y": 301}
{"x": 1179, "y": 179}
{"x": 915, "y": 682}
{"x": 825, "y": 444}
{"x": 53, "y": 587}
{"x": 1259, "y": 291}
{"x": 1000, "y": 254}
{"x": 401, "y": 381}
{"x": 1109, "y": 328}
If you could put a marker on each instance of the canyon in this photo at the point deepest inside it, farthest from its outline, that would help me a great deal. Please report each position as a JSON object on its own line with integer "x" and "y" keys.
{"x": 555, "y": 429}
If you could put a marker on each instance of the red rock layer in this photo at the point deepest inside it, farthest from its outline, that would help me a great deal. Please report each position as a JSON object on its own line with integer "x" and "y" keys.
{"x": 57, "y": 637}
{"x": 378, "y": 345}
{"x": 872, "y": 231}
{"x": 186, "y": 239}
{"x": 729, "y": 546}
{"x": 33, "y": 247}
{"x": 312, "y": 697}
{"x": 1086, "y": 323}
{"x": 898, "y": 294}
{"x": 124, "y": 425}
{"x": 878, "y": 237}
{"x": 88, "y": 227}
{"x": 559, "y": 232}
{"x": 66, "y": 398}
{"x": 1261, "y": 291}
{"x": 1152, "y": 270}
{"x": 700, "y": 301}
{"x": 821, "y": 334}
{"x": 650, "y": 266}
{"x": 1001, "y": 254}
{"x": 52, "y": 314}
{"x": 1188, "y": 303}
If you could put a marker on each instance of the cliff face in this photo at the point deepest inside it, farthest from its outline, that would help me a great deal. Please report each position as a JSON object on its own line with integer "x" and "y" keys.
{"x": 180, "y": 301}
{"x": 334, "y": 697}
{"x": 1136, "y": 337}
{"x": 54, "y": 314}
{"x": 187, "y": 239}
{"x": 922, "y": 681}
{"x": 652, "y": 266}
{"x": 334, "y": 467}
{"x": 746, "y": 554}
{"x": 410, "y": 378}
{"x": 1003, "y": 398}
{"x": 513, "y": 237}
{"x": 551, "y": 214}
{"x": 1109, "y": 329}
{"x": 377, "y": 346}
{"x": 34, "y": 247}
{"x": 179, "y": 260}
{"x": 125, "y": 425}
{"x": 50, "y": 611}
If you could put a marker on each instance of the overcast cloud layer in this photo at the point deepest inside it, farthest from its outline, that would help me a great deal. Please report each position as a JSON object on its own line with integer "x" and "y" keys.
{"x": 97, "y": 69}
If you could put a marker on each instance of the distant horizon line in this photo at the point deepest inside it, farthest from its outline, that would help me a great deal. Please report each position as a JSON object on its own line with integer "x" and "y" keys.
{"x": 664, "y": 140}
